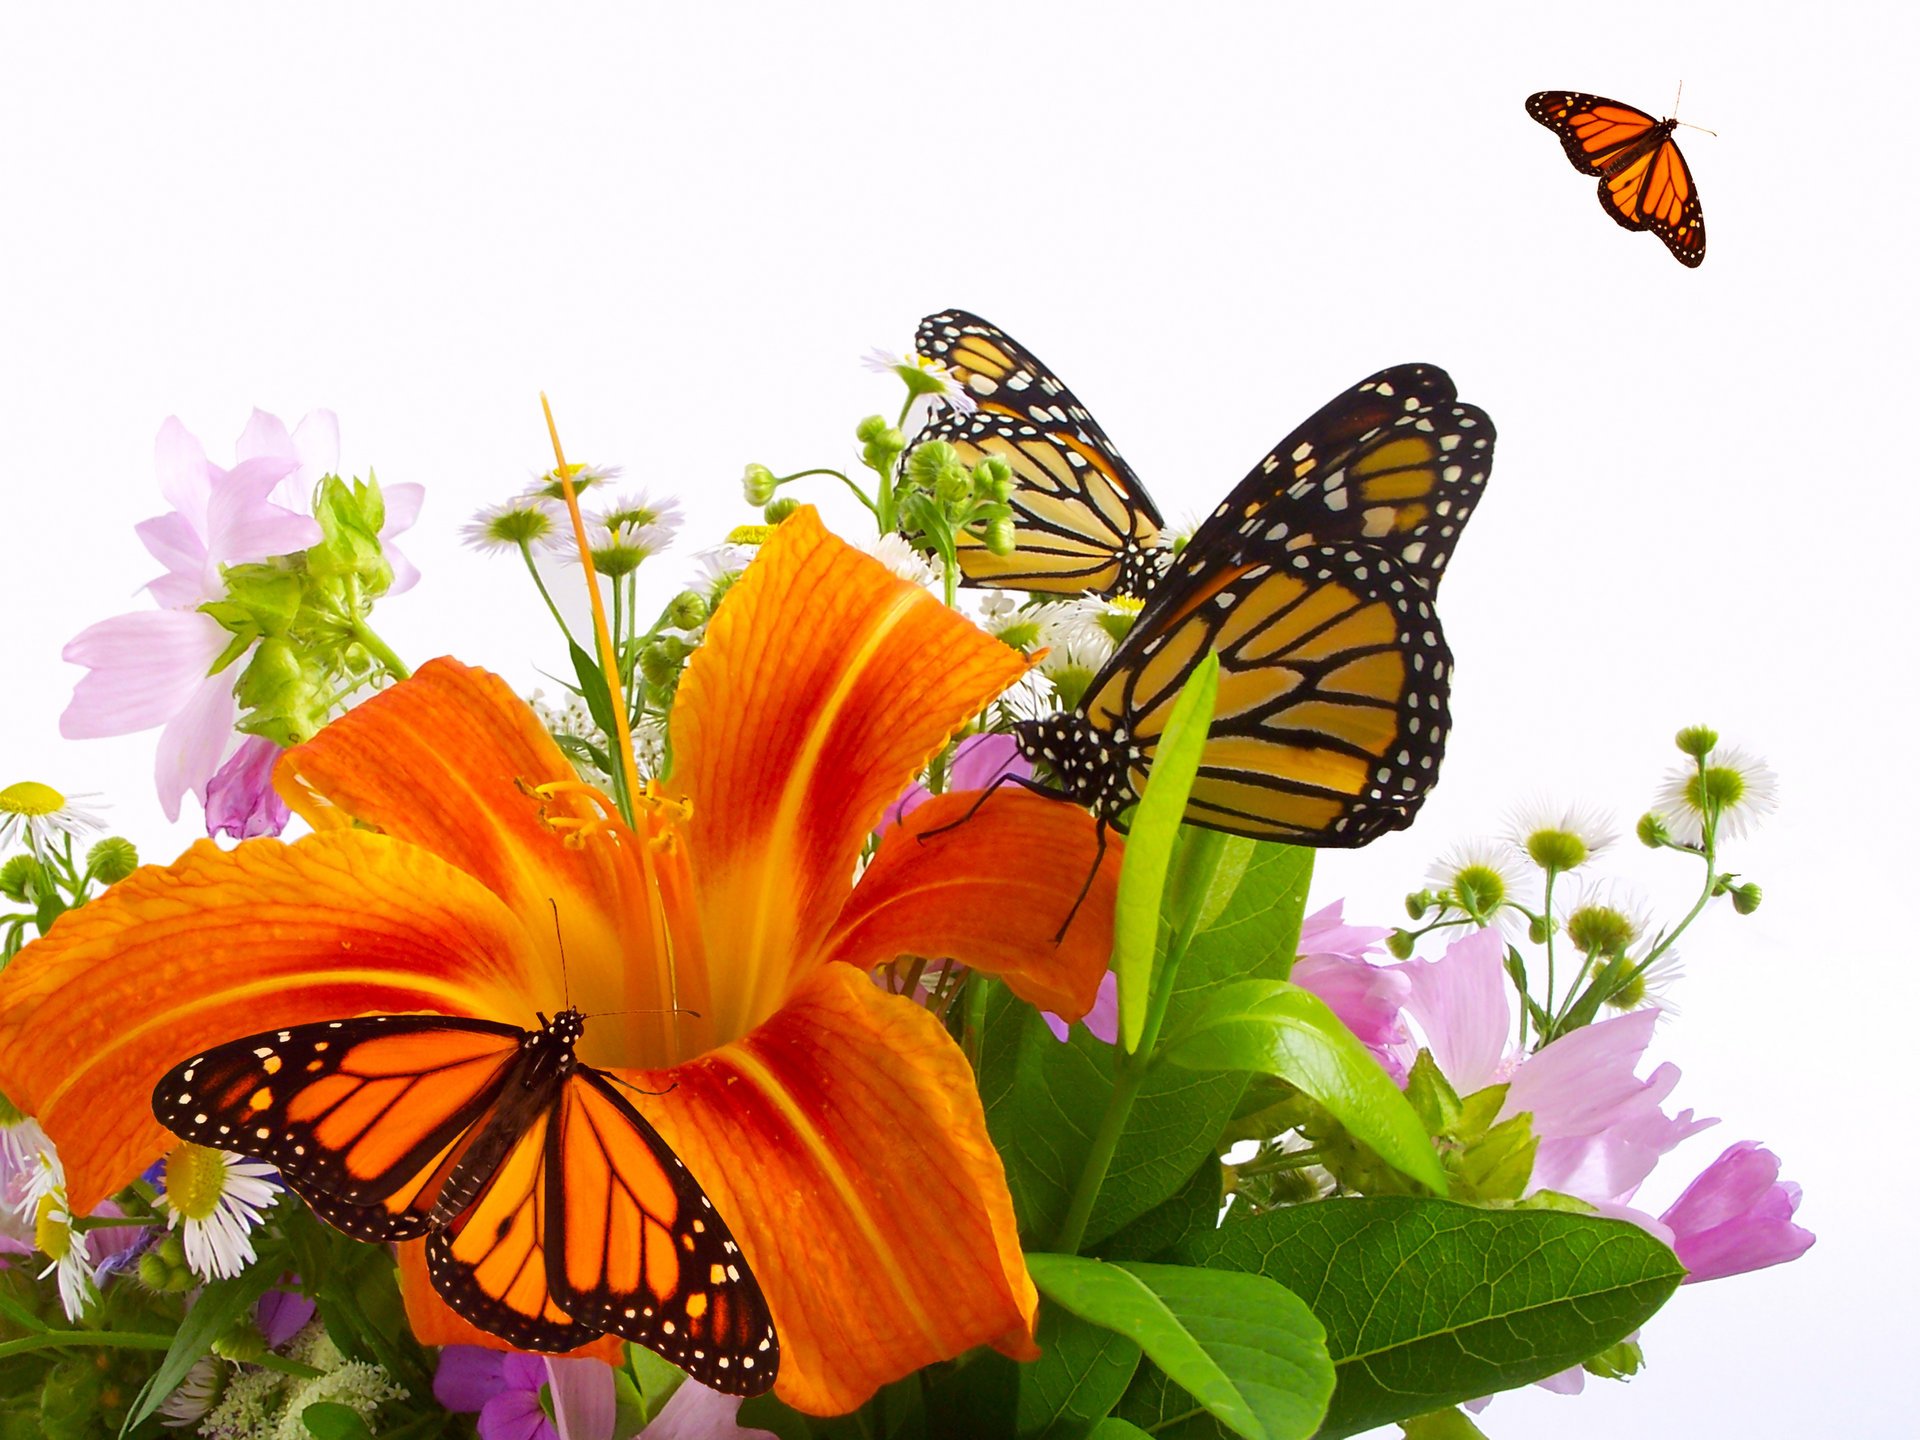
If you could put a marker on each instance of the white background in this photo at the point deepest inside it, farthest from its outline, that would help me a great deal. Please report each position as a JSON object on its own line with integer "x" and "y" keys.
{"x": 688, "y": 227}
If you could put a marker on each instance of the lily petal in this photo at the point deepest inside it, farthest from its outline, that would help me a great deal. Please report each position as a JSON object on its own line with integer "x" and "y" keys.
{"x": 221, "y": 944}
{"x": 874, "y": 675}
{"x": 991, "y": 893}
{"x": 827, "y": 1138}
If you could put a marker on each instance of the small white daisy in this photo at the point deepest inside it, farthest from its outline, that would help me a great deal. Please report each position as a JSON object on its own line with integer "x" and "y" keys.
{"x": 215, "y": 1198}
{"x": 1603, "y": 916}
{"x": 929, "y": 382}
{"x": 1734, "y": 783}
{"x": 1558, "y": 835}
{"x": 1082, "y": 632}
{"x": 193, "y": 1397}
{"x": 66, "y": 1252}
{"x": 1493, "y": 872}
{"x": 585, "y": 478}
{"x": 893, "y": 551}
{"x": 638, "y": 510}
{"x": 618, "y": 549}
{"x": 533, "y": 521}
{"x": 42, "y": 813}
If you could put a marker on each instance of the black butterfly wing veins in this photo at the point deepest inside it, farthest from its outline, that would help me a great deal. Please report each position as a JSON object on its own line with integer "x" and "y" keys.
{"x": 1397, "y": 462}
{"x": 1331, "y": 715}
{"x": 552, "y": 1210}
{"x": 1644, "y": 180}
{"x": 1083, "y": 520}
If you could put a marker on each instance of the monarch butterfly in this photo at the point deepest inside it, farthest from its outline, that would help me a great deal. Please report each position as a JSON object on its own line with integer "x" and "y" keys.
{"x": 1644, "y": 180}
{"x": 552, "y": 1210}
{"x": 1083, "y": 521}
{"x": 1313, "y": 582}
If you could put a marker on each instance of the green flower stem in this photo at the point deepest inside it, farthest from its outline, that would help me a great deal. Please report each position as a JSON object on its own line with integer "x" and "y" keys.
{"x": 973, "y": 1019}
{"x": 846, "y": 480}
{"x": 1546, "y": 908}
{"x": 950, "y": 579}
{"x": 362, "y": 632}
{"x": 99, "y": 1339}
{"x": 1193, "y": 870}
{"x": 1279, "y": 1162}
{"x": 1705, "y": 852}
{"x": 526, "y": 554}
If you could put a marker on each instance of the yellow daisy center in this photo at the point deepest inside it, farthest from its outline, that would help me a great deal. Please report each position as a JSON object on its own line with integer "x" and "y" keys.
{"x": 196, "y": 1178}
{"x": 30, "y": 797}
{"x": 52, "y": 1229}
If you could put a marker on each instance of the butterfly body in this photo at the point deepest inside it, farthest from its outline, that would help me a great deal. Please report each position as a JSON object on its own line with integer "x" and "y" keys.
{"x": 1644, "y": 182}
{"x": 552, "y": 1211}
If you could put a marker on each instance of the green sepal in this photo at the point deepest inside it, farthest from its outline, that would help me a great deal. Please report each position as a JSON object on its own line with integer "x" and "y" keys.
{"x": 267, "y": 596}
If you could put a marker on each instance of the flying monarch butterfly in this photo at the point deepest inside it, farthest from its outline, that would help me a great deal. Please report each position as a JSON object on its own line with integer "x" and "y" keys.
{"x": 1083, "y": 521}
{"x": 1644, "y": 180}
{"x": 552, "y": 1210}
{"x": 1314, "y": 583}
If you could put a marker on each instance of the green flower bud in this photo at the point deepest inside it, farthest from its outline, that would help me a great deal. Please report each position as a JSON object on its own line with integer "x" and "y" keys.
{"x": 1652, "y": 831}
{"x": 935, "y": 465}
{"x": 243, "y": 1343}
{"x": 870, "y": 429}
{"x": 779, "y": 509}
{"x": 1746, "y": 898}
{"x": 689, "y": 608}
{"x": 17, "y": 876}
{"x": 1556, "y": 849}
{"x": 1537, "y": 929}
{"x": 1697, "y": 741}
{"x": 1400, "y": 945}
{"x": 1418, "y": 903}
{"x": 759, "y": 483}
{"x": 1000, "y": 536}
{"x": 113, "y": 859}
{"x": 1599, "y": 930}
{"x": 993, "y": 477}
{"x": 660, "y": 662}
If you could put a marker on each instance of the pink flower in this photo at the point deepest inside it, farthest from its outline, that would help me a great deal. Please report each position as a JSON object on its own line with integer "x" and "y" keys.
{"x": 1459, "y": 1002}
{"x": 1601, "y": 1128}
{"x": 505, "y": 1388}
{"x": 1332, "y": 963}
{"x": 1103, "y": 1019}
{"x": 241, "y": 800}
{"x": 1737, "y": 1216}
{"x": 150, "y": 667}
{"x": 978, "y": 761}
{"x": 314, "y": 449}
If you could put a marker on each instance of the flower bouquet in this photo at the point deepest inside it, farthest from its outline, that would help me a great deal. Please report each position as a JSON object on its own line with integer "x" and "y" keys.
{"x": 875, "y": 993}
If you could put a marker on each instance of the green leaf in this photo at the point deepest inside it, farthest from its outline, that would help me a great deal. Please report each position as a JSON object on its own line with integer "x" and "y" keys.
{"x": 1194, "y": 1209}
{"x": 330, "y": 1420}
{"x": 1246, "y": 1351}
{"x": 1448, "y": 1424}
{"x": 1236, "y": 853}
{"x": 655, "y": 1377}
{"x": 1114, "y": 1428}
{"x": 1044, "y": 1098}
{"x": 221, "y": 1303}
{"x": 593, "y": 690}
{"x": 1083, "y": 1370}
{"x": 1428, "y": 1303}
{"x": 1156, "y": 825}
{"x": 1276, "y": 1028}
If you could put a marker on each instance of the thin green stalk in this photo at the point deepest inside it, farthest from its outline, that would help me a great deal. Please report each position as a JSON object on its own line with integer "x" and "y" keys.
{"x": 1546, "y": 908}
{"x": 100, "y": 1339}
{"x": 395, "y": 667}
{"x": 973, "y": 1019}
{"x": 526, "y": 554}
{"x": 846, "y": 480}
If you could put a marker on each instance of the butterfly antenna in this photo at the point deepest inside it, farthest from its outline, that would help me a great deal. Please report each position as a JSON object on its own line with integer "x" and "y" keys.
{"x": 639, "y": 1089}
{"x": 1691, "y": 126}
{"x": 566, "y": 992}
{"x": 644, "y": 1010}
{"x": 1679, "y": 85}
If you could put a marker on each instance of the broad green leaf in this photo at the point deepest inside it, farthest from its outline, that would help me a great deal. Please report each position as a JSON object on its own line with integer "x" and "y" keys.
{"x": 1082, "y": 1371}
{"x": 330, "y": 1420}
{"x": 1156, "y": 825}
{"x": 1276, "y": 1028}
{"x": 1428, "y": 1303}
{"x": 1044, "y": 1098}
{"x": 1248, "y": 1353}
{"x": 1448, "y": 1424}
{"x": 593, "y": 689}
{"x": 1193, "y": 1209}
{"x": 1114, "y": 1428}
{"x": 1236, "y": 853}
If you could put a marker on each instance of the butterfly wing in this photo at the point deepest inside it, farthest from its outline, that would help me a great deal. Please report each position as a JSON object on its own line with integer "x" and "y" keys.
{"x": 1644, "y": 180}
{"x": 638, "y": 1249}
{"x": 1396, "y": 461}
{"x": 365, "y": 1119}
{"x": 1332, "y": 709}
{"x": 1083, "y": 519}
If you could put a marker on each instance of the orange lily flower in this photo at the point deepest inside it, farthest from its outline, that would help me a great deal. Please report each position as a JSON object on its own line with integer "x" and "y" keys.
{"x": 834, "y": 1124}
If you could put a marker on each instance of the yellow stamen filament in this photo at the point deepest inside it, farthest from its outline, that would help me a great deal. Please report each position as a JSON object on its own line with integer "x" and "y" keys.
{"x": 623, "y": 734}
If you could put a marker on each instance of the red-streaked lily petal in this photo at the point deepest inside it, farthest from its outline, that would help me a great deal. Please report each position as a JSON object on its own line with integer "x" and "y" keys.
{"x": 221, "y": 944}
{"x": 448, "y": 760}
{"x": 845, "y": 1145}
{"x": 824, "y": 684}
{"x": 992, "y": 893}
{"x": 435, "y": 1323}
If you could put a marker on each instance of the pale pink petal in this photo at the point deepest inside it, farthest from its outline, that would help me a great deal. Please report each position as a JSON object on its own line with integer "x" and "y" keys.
{"x": 174, "y": 542}
{"x": 1367, "y": 998}
{"x": 979, "y": 760}
{"x": 316, "y": 440}
{"x": 1584, "y": 1082}
{"x": 1610, "y": 1166}
{"x": 145, "y": 668}
{"x": 181, "y": 463}
{"x": 1737, "y": 1216}
{"x": 194, "y": 741}
{"x": 1570, "y": 1381}
{"x": 240, "y": 799}
{"x": 1460, "y": 1004}
{"x": 403, "y": 504}
{"x": 265, "y": 435}
{"x": 1103, "y": 1020}
{"x": 1324, "y": 933}
{"x": 1614, "y": 1210}
{"x": 582, "y": 1398}
{"x": 695, "y": 1412}
{"x": 405, "y": 573}
{"x": 244, "y": 525}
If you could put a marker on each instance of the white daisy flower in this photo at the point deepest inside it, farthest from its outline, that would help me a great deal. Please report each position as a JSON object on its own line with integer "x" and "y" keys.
{"x": 893, "y": 551}
{"x": 532, "y": 520}
{"x": 66, "y": 1252}
{"x": 1481, "y": 875}
{"x": 193, "y": 1397}
{"x": 42, "y": 813}
{"x": 1733, "y": 783}
{"x": 1603, "y": 917}
{"x": 619, "y": 548}
{"x": 1557, "y": 835}
{"x": 215, "y": 1198}
{"x": 929, "y": 382}
{"x": 1083, "y": 632}
{"x": 640, "y": 511}
{"x": 585, "y": 478}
